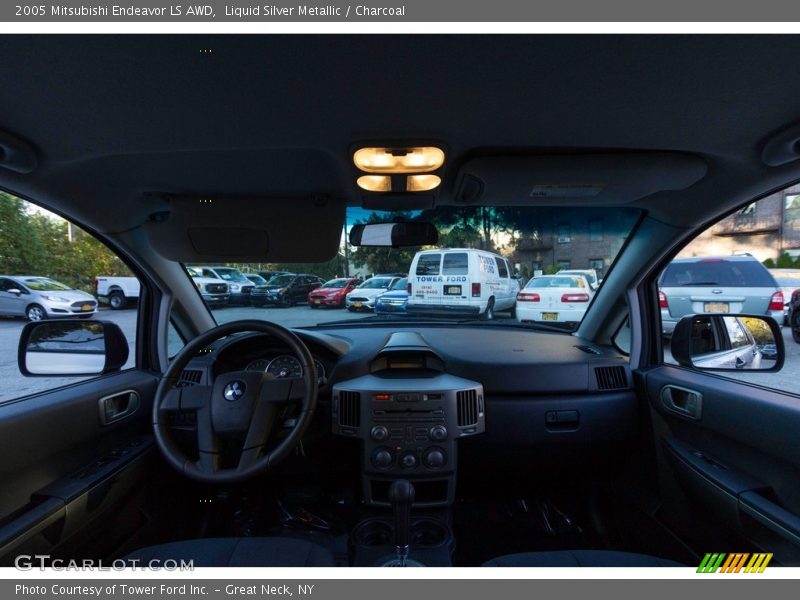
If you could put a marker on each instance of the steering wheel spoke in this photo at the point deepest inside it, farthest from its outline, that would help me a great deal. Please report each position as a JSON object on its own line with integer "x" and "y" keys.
{"x": 193, "y": 397}
{"x": 264, "y": 418}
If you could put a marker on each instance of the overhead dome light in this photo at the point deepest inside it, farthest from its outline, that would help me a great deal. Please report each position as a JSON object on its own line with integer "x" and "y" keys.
{"x": 399, "y": 160}
{"x": 422, "y": 183}
{"x": 375, "y": 183}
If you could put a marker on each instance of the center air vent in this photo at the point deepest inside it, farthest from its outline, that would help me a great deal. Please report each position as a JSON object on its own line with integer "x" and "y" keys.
{"x": 189, "y": 377}
{"x": 467, "y": 408}
{"x": 349, "y": 409}
{"x": 611, "y": 378}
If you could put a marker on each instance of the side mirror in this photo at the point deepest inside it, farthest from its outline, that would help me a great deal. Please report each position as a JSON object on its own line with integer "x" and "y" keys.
{"x": 724, "y": 342}
{"x": 394, "y": 235}
{"x": 15, "y": 292}
{"x": 70, "y": 348}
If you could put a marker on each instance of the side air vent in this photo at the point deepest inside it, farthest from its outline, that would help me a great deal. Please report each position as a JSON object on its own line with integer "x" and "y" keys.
{"x": 467, "y": 401}
{"x": 588, "y": 349}
{"x": 349, "y": 409}
{"x": 611, "y": 378}
{"x": 189, "y": 377}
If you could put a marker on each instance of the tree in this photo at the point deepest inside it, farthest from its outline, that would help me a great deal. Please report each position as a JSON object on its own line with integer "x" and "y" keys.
{"x": 21, "y": 251}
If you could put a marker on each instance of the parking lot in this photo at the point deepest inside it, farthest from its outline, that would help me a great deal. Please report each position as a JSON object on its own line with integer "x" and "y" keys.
{"x": 16, "y": 385}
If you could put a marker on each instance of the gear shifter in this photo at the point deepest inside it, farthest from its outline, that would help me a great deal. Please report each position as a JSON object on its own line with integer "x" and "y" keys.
{"x": 401, "y": 495}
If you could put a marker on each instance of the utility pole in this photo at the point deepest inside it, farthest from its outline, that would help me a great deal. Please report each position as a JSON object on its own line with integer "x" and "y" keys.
{"x": 346, "y": 251}
{"x": 70, "y": 232}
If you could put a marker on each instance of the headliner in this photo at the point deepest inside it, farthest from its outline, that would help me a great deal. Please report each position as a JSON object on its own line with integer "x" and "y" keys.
{"x": 114, "y": 117}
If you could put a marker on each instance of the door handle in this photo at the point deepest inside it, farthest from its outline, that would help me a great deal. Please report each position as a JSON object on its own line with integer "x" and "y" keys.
{"x": 118, "y": 406}
{"x": 682, "y": 401}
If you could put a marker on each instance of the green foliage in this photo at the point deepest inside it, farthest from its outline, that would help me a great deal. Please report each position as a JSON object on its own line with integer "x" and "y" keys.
{"x": 769, "y": 263}
{"x": 35, "y": 243}
{"x": 785, "y": 261}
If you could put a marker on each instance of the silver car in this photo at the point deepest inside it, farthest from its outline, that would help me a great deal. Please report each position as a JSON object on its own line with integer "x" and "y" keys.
{"x": 724, "y": 343}
{"x": 36, "y": 298}
{"x": 711, "y": 284}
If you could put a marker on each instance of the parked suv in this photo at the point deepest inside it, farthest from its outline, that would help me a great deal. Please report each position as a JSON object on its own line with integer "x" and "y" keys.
{"x": 239, "y": 286}
{"x": 37, "y": 298}
{"x": 285, "y": 290}
{"x": 717, "y": 284}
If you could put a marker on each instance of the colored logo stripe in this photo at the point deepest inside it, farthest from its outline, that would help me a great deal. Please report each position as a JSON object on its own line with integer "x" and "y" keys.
{"x": 734, "y": 563}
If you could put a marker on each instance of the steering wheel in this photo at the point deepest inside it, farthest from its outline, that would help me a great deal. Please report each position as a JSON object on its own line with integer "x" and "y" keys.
{"x": 242, "y": 405}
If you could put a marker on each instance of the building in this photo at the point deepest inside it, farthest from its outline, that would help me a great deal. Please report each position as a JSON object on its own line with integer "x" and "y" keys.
{"x": 766, "y": 229}
{"x": 578, "y": 239}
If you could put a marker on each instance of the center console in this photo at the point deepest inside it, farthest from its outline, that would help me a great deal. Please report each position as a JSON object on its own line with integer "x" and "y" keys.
{"x": 409, "y": 425}
{"x": 408, "y": 415}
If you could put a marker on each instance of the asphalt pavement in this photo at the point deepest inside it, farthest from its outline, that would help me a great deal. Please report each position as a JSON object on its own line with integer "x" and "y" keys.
{"x": 16, "y": 386}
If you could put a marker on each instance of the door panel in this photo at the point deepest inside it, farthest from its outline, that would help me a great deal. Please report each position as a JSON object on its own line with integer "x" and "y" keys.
{"x": 62, "y": 467}
{"x": 729, "y": 473}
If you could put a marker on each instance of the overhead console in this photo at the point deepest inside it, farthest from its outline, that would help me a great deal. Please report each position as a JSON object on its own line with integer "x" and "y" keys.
{"x": 409, "y": 416}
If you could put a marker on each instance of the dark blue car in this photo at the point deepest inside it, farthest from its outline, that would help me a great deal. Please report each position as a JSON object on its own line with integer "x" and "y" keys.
{"x": 395, "y": 300}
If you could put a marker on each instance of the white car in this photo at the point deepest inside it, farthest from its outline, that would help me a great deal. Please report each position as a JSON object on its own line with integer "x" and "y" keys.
{"x": 560, "y": 298}
{"x": 366, "y": 294}
{"x": 462, "y": 281}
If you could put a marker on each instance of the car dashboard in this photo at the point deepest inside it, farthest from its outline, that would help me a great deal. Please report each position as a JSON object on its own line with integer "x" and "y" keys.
{"x": 428, "y": 403}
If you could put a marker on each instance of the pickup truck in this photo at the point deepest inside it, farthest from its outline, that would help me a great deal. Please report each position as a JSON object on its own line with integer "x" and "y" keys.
{"x": 214, "y": 290}
{"x": 116, "y": 291}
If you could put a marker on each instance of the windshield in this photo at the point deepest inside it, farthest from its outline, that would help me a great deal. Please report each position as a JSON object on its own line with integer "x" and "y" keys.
{"x": 556, "y": 282}
{"x": 335, "y": 283}
{"x": 400, "y": 284}
{"x": 281, "y": 280}
{"x": 42, "y": 284}
{"x": 230, "y": 274}
{"x": 483, "y": 256}
{"x": 375, "y": 283}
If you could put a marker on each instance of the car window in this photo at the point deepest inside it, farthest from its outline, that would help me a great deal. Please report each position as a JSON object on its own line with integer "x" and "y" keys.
{"x": 717, "y": 272}
{"x": 455, "y": 263}
{"x": 745, "y": 263}
{"x": 736, "y": 334}
{"x": 428, "y": 264}
{"x": 66, "y": 273}
{"x": 502, "y": 267}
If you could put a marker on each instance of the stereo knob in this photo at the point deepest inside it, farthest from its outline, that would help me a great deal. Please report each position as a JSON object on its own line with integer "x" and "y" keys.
{"x": 408, "y": 460}
{"x": 382, "y": 458}
{"x": 379, "y": 433}
{"x": 438, "y": 433}
{"x": 434, "y": 457}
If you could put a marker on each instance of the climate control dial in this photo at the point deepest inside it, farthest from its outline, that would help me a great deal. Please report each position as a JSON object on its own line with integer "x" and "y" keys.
{"x": 434, "y": 457}
{"x": 382, "y": 458}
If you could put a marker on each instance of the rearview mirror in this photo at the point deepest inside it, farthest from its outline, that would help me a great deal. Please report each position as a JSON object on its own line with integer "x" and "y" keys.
{"x": 724, "y": 342}
{"x": 394, "y": 235}
{"x": 70, "y": 348}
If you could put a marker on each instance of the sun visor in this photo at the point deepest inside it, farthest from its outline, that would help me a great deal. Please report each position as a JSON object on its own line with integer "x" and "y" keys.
{"x": 583, "y": 179}
{"x": 224, "y": 229}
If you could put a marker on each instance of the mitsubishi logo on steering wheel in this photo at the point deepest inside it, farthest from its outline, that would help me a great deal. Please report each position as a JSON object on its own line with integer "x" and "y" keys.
{"x": 234, "y": 390}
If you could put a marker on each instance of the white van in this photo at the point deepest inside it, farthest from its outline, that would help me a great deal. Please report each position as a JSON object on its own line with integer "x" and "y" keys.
{"x": 460, "y": 281}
